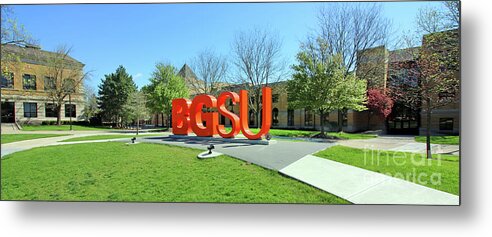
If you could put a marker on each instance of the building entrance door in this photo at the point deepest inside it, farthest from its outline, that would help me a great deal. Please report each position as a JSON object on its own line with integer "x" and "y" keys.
{"x": 403, "y": 120}
{"x": 8, "y": 112}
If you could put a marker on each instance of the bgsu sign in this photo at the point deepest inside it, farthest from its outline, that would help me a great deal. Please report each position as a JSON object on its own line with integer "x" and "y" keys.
{"x": 188, "y": 116}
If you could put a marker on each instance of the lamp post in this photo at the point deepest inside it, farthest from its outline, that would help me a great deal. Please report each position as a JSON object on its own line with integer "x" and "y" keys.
{"x": 71, "y": 109}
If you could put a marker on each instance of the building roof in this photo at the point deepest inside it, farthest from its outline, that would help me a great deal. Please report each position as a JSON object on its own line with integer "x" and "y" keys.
{"x": 186, "y": 72}
{"x": 35, "y": 55}
{"x": 403, "y": 55}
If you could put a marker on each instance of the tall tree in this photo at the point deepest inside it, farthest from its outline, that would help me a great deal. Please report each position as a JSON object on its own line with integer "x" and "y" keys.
{"x": 11, "y": 32}
{"x": 211, "y": 70}
{"x": 165, "y": 85}
{"x": 91, "y": 108}
{"x": 320, "y": 82}
{"x": 136, "y": 108}
{"x": 435, "y": 19}
{"x": 438, "y": 61}
{"x": 350, "y": 28}
{"x": 439, "y": 66}
{"x": 64, "y": 78}
{"x": 257, "y": 57}
{"x": 113, "y": 94}
{"x": 452, "y": 14}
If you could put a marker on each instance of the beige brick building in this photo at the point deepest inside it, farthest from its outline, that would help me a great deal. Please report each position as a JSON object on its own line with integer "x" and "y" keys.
{"x": 25, "y": 87}
{"x": 382, "y": 68}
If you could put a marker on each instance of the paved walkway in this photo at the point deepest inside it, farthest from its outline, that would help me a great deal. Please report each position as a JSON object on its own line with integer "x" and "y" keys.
{"x": 362, "y": 186}
{"x": 8, "y": 128}
{"x": 274, "y": 156}
{"x": 399, "y": 143}
{"x": 12, "y": 147}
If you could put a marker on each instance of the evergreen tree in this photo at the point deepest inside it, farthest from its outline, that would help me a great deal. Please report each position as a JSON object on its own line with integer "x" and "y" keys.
{"x": 113, "y": 95}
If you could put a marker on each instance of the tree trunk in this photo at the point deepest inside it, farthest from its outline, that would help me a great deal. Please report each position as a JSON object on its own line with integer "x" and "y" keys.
{"x": 168, "y": 121}
{"x": 322, "y": 123}
{"x": 138, "y": 124}
{"x": 339, "y": 118}
{"x": 58, "y": 114}
{"x": 258, "y": 112}
{"x": 428, "y": 131}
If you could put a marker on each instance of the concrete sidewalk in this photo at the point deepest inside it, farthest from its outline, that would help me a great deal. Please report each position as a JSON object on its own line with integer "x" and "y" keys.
{"x": 13, "y": 147}
{"x": 399, "y": 143}
{"x": 274, "y": 156}
{"x": 361, "y": 186}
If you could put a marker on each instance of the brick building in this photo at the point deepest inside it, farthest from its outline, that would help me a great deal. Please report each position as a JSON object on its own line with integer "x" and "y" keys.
{"x": 382, "y": 68}
{"x": 25, "y": 86}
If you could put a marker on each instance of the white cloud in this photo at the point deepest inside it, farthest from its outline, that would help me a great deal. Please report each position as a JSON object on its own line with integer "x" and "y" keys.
{"x": 138, "y": 75}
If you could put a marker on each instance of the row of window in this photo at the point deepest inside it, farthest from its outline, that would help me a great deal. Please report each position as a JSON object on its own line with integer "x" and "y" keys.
{"x": 31, "y": 110}
{"x": 445, "y": 124}
{"x": 28, "y": 82}
{"x": 308, "y": 117}
{"x": 275, "y": 98}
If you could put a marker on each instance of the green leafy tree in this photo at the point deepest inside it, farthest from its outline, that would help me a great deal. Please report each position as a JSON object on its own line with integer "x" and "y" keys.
{"x": 439, "y": 67}
{"x": 165, "y": 85}
{"x": 11, "y": 33}
{"x": 91, "y": 108}
{"x": 135, "y": 108}
{"x": 113, "y": 95}
{"x": 437, "y": 63}
{"x": 320, "y": 82}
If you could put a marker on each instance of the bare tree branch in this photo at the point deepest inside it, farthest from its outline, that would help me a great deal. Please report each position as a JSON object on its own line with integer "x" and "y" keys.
{"x": 352, "y": 28}
{"x": 211, "y": 70}
{"x": 63, "y": 77}
{"x": 257, "y": 57}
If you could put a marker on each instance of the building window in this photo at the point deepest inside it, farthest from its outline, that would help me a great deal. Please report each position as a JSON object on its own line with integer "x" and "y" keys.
{"x": 290, "y": 117}
{"x": 68, "y": 86}
{"x": 50, "y": 111}
{"x": 8, "y": 80}
{"x": 275, "y": 98}
{"x": 70, "y": 111}
{"x": 251, "y": 118}
{"x": 30, "y": 110}
{"x": 445, "y": 124}
{"x": 29, "y": 82}
{"x": 275, "y": 116}
{"x": 308, "y": 118}
{"x": 49, "y": 84}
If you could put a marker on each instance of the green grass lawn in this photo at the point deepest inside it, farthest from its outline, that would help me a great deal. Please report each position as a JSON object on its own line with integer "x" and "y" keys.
{"x": 307, "y": 134}
{"x": 8, "y": 138}
{"x": 403, "y": 165}
{"x": 61, "y": 128}
{"x": 113, "y": 171}
{"x": 444, "y": 140}
{"x": 103, "y": 137}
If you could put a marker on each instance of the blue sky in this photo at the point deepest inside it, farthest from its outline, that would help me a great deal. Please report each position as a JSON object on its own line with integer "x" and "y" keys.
{"x": 104, "y": 36}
